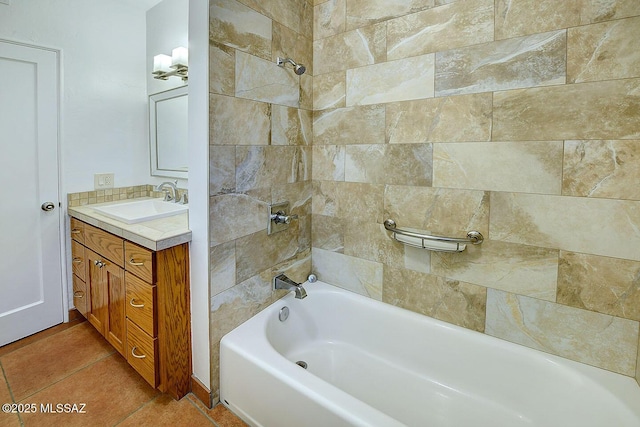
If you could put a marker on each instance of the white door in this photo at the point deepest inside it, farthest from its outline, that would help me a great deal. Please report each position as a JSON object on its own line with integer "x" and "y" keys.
{"x": 30, "y": 253}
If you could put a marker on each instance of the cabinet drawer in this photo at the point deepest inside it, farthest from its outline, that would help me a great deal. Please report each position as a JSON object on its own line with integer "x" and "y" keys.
{"x": 141, "y": 304}
{"x": 141, "y": 353}
{"x": 80, "y": 295}
{"x": 78, "y": 260}
{"x": 105, "y": 244}
{"x": 139, "y": 261}
{"x": 77, "y": 230}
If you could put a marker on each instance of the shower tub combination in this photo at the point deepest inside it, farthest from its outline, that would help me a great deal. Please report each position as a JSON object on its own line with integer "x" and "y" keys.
{"x": 373, "y": 364}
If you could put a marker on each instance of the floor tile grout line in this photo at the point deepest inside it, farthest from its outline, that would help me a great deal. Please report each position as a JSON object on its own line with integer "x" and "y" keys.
{"x": 201, "y": 411}
{"x": 13, "y": 400}
{"x": 68, "y": 375}
{"x": 139, "y": 408}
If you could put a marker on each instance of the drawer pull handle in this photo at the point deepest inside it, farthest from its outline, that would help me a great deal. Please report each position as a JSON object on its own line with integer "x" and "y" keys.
{"x": 135, "y": 305}
{"x": 76, "y": 231}
{"x": 133, "y": 353}
{"x": 133, "y": 262}
{"x": 77, "y": 260}
{"x": 78, "y": 294}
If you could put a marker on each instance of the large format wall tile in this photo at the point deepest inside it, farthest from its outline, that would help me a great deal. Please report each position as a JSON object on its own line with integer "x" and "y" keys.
{"x": 273, "y": 249}
{"x": 438, "y": 210}
{"x": 402, "y": 80}
{"x": 329, "y": 18}
{"x": 529, "y": 167}
{"x": 604, "y": 51}
{"x": 328, "y": 233}
{"x": 295, "y": 14}
{"x": 537, "y": 60}
{"x": 519, "y": 269}
{"x": 364, "y": 12}
{"x": 352, "y": 125}
{"x": 222, "y": 69}
{"x": 593, "y": 338}
{"x": 606, "y": 285}
{"x": 445, "y": 299}
{"x": 222, "y": 169}
{"x": 521, "y": 17}
{"x": 445, "y": 119}
{"x": 359, "y": 201}
{"x": 578, "y": 224}
{"x": 222, "y": 274}
{"x": 328, "y": 162}
{"x": 263, "y": 80}
{"x": 267, "y": 166}
{"x": 330, "y": 90}
{"x": 235, "y": 215}
{"x": 598, "y": 110}
{"x": 291, "y": 126}
{"x": 354, "y": 274}
{"x": 401, "y": 164}
{"x": 240, "y": 27}
{"x": 370, "y": 240}
{"x": 601, "y": 169}
{"x": 458, "y": 24}
{"x": 227, "y": 115}
{"x": 364, "y": 46}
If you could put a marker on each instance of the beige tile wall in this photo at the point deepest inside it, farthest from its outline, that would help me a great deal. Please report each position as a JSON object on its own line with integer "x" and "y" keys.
{"x": 260, "y": 153}
{"x": 520, "y": 119}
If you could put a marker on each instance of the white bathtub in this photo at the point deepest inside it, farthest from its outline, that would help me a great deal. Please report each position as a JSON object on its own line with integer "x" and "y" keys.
{"x": 372, "y": 364}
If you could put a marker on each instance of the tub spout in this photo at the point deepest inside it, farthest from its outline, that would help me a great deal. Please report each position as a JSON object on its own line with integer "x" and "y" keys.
{"x": 283, "y": 282}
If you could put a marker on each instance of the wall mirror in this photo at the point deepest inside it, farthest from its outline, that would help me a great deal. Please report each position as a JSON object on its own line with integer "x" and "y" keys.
{"x": 168, "y": 133}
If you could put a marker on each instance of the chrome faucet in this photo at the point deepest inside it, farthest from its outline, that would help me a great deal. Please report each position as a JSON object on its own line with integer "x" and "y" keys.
{"x": 283, "y": 282}
{"x": 173, "y": 197}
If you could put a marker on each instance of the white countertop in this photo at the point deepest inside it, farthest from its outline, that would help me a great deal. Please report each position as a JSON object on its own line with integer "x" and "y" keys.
{"x": 156, "y": 234}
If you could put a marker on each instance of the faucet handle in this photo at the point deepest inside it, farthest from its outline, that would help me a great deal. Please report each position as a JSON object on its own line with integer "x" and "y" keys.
{"x": 281, "y": 218}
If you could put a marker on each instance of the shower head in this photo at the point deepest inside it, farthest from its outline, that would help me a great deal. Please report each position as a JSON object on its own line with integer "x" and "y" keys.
{"x": 299, "y": 69}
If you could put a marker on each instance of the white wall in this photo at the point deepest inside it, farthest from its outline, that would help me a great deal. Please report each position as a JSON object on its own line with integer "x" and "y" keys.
{"x": 103, "y": 102}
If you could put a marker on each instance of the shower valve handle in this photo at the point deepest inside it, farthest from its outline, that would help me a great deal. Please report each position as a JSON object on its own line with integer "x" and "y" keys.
{"x": 281, "y": 218}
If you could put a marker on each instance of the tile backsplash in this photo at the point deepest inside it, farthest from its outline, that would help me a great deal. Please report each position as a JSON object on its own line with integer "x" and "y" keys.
{"x": 114, "y": 194}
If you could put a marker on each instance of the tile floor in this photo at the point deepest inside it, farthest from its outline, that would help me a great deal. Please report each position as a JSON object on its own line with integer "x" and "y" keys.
{"x": 73, "y": 364}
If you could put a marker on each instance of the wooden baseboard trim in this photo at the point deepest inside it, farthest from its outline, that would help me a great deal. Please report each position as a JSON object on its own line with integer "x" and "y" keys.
{"x": 201, "y": 392}
{"x": 74, "y": 314}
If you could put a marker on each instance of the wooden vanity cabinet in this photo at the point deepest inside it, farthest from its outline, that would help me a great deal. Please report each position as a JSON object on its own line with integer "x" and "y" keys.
{"x": 139, "y": 300}
{"x": 106, "y": 299}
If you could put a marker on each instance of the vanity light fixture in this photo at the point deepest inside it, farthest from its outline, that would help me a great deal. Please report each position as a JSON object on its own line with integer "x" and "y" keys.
{"x": 177, "y": 65}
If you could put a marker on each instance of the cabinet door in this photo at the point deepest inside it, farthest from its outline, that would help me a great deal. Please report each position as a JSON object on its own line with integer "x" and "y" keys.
{"x": 97, "y": 302}
{"x": 115, "y": 327}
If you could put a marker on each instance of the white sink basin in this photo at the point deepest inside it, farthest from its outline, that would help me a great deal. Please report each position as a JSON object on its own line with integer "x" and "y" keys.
{"x": 141, "y": 210}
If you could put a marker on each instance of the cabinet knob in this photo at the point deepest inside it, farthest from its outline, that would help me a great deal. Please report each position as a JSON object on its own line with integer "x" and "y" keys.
{"x": 133, "y": 353}
{"x": 99, "y": 263}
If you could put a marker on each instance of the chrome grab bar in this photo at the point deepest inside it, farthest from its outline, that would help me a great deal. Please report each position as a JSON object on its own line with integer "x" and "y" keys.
{"x": 473, "y": 237}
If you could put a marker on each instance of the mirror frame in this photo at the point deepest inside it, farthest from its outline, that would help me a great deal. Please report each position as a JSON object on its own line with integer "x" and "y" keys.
{"x": 153, "y": 138}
